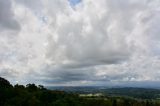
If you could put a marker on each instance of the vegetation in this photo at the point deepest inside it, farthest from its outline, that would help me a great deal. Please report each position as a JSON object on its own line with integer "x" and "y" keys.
{"x": 32, "y": 95}
{"x": 140, "y": 93}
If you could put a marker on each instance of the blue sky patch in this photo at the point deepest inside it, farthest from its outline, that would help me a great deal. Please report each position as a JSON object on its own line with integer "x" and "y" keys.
{"x": 74, "y": 2}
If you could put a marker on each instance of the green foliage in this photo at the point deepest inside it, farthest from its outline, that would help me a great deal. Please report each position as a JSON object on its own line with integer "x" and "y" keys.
{"x": 32, "y": 95}
{"x": 141, "y": 93}
{"x": 4, "y": 83}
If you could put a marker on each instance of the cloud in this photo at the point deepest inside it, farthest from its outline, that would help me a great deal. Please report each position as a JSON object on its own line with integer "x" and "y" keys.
{"x": 86, "y": 37}
{"x": 93, "y": 43}
{"x": 74, "y": 2}
{"x": 35, "y": 5}
{"x": 7, "y": 19}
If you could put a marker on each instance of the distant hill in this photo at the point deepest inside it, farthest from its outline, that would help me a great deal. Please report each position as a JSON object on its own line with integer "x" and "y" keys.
{"x": 33, "y": 95}
{"x": 144, "y": 93}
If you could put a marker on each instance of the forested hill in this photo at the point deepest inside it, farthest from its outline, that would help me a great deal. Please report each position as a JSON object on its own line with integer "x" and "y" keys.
{"x": 139, "y": 93}
{"x": 33, "y": 95}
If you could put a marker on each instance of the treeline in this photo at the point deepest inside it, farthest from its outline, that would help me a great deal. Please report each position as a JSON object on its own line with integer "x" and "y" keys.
{"x": 141, "y": 93}
{"x": 32, "y": 95}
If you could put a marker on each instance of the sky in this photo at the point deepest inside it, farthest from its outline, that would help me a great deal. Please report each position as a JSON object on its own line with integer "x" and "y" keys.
{"x": 80, "y": 42}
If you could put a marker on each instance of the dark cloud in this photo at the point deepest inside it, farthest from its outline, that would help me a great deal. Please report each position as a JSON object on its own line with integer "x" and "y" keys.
{"x": 7, "y": 18}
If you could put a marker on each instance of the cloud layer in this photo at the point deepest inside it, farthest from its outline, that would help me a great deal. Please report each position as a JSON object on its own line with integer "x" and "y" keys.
{"x": 88, "y": 43}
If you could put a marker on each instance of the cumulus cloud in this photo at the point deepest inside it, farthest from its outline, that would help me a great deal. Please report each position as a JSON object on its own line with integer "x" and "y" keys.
{"x": 91, "y": 43}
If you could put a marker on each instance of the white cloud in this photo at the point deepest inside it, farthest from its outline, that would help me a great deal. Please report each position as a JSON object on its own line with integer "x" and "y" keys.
{"x": 94, "y": 42}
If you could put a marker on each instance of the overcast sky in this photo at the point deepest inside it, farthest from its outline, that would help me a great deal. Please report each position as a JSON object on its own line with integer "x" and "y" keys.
{"x": 80, "y": 42}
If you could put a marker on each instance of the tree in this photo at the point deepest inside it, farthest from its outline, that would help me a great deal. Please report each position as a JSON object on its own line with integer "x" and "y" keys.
{"x": 19, "y": 86}
{"x": 41, "y": 87}
{"x": 4, "y": 83}
{"x": 5, "y": 90}
{"x": 114, "y": 102}
{"x": 31, "y": 87}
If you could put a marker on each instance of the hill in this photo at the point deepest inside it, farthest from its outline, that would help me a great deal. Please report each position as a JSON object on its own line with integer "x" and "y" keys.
{"x": 33, "y": 95}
